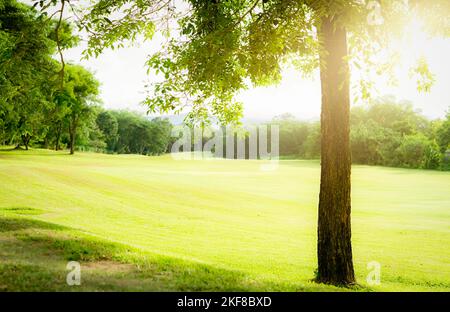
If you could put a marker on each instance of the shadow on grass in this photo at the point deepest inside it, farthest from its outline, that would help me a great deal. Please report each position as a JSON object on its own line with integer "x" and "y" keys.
{"x": 22, "y": 210}
{"x": 16, "y": 224}
{"x": 35, "y": 254}
{"x": 7, "y": 149}
{"x": 34, "y": 151}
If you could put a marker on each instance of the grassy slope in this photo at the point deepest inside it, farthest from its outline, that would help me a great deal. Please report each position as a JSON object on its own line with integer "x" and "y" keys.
{"x": 208, "y": 225}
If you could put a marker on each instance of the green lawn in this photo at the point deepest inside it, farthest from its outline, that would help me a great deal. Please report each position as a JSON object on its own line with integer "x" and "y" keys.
{"x": 154, "y": 223}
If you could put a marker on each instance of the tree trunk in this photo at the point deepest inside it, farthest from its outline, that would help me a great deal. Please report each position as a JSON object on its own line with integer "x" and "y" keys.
{"x": 26, "y": 140}
{"x": 72, "y": 134}
{"x": 72, "y": 142}
{"x": 58, "y": 136}
{"x": 334, "y": 250}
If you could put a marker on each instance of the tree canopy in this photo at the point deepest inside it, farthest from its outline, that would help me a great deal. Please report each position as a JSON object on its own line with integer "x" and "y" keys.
{"x": 26, "y": 72}
{"x": 217, "y": 48}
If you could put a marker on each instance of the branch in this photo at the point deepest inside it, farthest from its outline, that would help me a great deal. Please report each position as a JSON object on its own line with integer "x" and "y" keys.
{"x": 246, "y": 13}
{"x": 58, "y": 43}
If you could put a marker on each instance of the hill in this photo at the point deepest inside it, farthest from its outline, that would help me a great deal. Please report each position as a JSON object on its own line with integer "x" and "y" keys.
{"x": 155, "y": 223}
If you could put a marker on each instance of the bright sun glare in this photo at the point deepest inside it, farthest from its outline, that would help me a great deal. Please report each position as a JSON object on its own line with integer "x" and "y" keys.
{"x": 302, "y": 97}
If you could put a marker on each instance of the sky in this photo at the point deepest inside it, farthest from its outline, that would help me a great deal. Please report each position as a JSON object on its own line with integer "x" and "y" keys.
{"x": 122, "y": 75}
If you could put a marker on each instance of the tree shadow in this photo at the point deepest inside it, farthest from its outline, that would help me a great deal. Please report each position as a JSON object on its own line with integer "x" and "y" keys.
{"x": 39, "y": 252}
{"x": 35, "y": 151}
{"x": 9, "y": 224}
{"x": 22, "y": 210}
{"x": 8, "y": 149}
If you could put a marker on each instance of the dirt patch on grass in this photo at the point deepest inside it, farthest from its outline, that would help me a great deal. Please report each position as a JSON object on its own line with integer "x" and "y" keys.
{"x": 108, "y": 266}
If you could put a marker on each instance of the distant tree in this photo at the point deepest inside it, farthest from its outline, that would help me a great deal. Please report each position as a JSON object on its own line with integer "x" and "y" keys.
{"x": 313, "y": 141}
{"x": 57, "y": 117}
{"x": 443, "y": 141}
{"x": 293, "y": 135}
{"x": 160, "y": 136}
{"x": 137, "y": 134}
{"x": 26, "y": 71}
{"x": 398, "y": 116}
{"x": 390, "y": 133}
{"x": 366, "y": 138}
{"x": 384, "y": 132}
{"x": 417, "y": 151}
{"x": 80, "y": 89}
{"x": 125, "y": 121}
{"x": 108, "y": 124}
{"x": 443, "y": 134}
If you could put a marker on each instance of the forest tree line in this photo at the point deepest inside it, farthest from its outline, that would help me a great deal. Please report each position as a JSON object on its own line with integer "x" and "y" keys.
{"x": 384, "y": 133}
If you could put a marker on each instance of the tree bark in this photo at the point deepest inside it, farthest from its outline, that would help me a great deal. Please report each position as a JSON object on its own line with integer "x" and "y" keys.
{"x": 72, "y": 134}
{"x": 58, "y": 136}
{"x": 26, "y": 140}
{"x": 334, "y": 250}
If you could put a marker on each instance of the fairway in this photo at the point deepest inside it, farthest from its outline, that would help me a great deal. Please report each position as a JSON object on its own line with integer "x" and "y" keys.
{"x": 155, "y": 223}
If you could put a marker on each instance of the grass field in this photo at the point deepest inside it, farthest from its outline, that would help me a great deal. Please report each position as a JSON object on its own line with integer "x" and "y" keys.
{"x": 154, "y": 223}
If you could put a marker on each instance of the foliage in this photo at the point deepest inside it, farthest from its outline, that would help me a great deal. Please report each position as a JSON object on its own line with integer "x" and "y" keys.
{"x": 217, "y": 48}
{"x": 383, "y": 133}
{"x": 31, "y": 103}
{"x": 443, "y": 134}
{"x": 107, "y": 123}
{"x": 293, "y": 135}
{"x": 139, "y": 135}
{"x": 393, "y": 134}
{"x": 26, "y": 72}
{"x": 416, "y": 151}
{"x": 79, "y": 93}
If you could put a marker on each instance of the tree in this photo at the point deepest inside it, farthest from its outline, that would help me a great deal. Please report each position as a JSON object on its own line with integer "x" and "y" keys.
{"x": 57, "y": 118}
{"x": 107, "y": 123}
{"x": 443, "y": 134}
{"x": 161, "y": 130}
{"x": 126, "y": 122}
{"x": 222, "y": 43}
{"x": 90, "y": 136}
{"x": 443, "y": 141}
{"x": 26, "y": 71}
{"x": 293, "y": 135}
{"x": 137, "y": 134}
{"x": 379, "y": 128}
{"x": 80, "y": 90}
